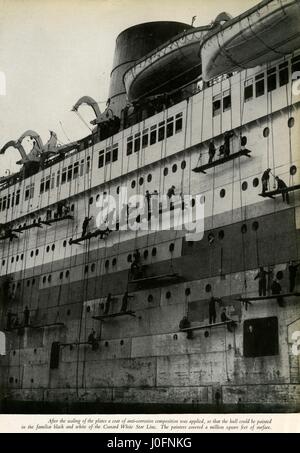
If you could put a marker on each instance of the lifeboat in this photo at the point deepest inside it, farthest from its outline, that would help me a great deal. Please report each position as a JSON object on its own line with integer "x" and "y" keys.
{"x": 264, "y": 33}
{"x": 169, "y": 66}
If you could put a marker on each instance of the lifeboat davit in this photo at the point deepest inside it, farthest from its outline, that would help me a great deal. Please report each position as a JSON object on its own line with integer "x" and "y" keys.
{"x": 169, "y": 66}
{"x": 264, "y": 33}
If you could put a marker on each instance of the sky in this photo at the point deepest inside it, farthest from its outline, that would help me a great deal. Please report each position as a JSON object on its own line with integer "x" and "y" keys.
{"x": 52, "y": 52}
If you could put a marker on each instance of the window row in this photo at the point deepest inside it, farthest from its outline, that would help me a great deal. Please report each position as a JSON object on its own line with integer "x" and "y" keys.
{"x": 67, "y": 174}
{"x": 156, "y": 133}
{"x": 108, "y": 155}
{"x": 10, "y": 200}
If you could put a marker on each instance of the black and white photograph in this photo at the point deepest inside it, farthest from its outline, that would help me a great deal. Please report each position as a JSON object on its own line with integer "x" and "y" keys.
{"x": 149, "y": 207}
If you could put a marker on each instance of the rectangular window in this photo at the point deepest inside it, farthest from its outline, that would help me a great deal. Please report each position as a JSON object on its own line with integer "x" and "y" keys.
{"x": 0, "y": 204}
{"x": 101, "y": 158}
{"x": 137, "y": 142}
{"x": 115, "y": 153}
{"x": 13, "y": 199}
{"x": 42, "y": 186}
{"x": 260, "y": 85}
{"x": 88, "y": 164}
{"x": 76, "y": 170}
{"x": 145, "y": 138}
{"x": 178, "y": 123}
{"x": 161, "y": 131}
{"x": 170, "y": 126}
{"x": 31, "y": 195}
{"x": 261, "y": 337}
{"x": 129, "y": 146}
{"x": 153, "y": 132}
{"x": 4, "y": 204}
{"x": 47, "y": 183}
{"x": 18, "y": 197}
{"x": 27, "y": 192}
{"x": 64, "y": 175}
{"x": 296, "y": 64}
{"x": 107, "y": 156}
{"x": 81, "y": 167}
{"x": 8, "y": 201}
{"x": 248, "y": 90}
{"x": 70, "y": 172}
{"x": 52, "y": 181}
{"x": 283, "y": 74}
{"x": 271, "y": 79}
{"x": 216, "y": 105}
{"x": 226, "y": 100}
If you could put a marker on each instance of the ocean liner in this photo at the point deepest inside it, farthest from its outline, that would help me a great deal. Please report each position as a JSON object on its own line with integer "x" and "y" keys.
{"x": 100, "y": 314}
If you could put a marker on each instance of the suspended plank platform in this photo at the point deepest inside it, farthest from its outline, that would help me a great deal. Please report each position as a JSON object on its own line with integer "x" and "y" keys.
{"x": 27, "y": 227}
{"x": 161, "y": 277}
{"x": 223, "y": 160}
{"x": 101, "y": 233}
{"x": 10, "y": 236}
{"x": 273, "y": 193}
{"x": 208, "y": 326}
{"x": 115, "y": 315}
{"x": 273, "y": 296}
{"x": 58, "y": 219}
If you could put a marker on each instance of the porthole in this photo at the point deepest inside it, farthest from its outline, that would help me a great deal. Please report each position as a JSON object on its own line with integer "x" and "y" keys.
{"x": 129, "y": 258}
{"x": 88, "y": 308}
{"x": 150, "y": 298}
{"x": 291, "y": 122}
{"x": 33, "y": 282}
{"x": 133, "y": 184}
{"x": 72, "y": 207}
{"x": 146, "y": 254}
{"x": 154, "y": 251}
{"x": 183, "y": 164}
{"x": 187, "y": 291}
{"x": 49, "y": 278}
{"x": 11, "y": 380}
{"x": 206, "y": 334}
{"x": 121, "y": 342}
{"x": 255, "y": 226}
{"x": 31, "y": 253}
{"x": 93, "y": 267}
{"x": 44, "y": 279}
{"x": 244, "y": 141}
{"x": 35, "y": 351}
{"x": 279, "y": 275}
{"x": 106, "y": 344}
{"x": 61, "y": 275}
{"x": 166, "y": 171}
{"x": 12, "y": 259}
{"x": 255, "y": 182}
{"x": 32, "y": 381}
{"x": 98, "y": 196}
{"x": 222, "y": 193}
{"x": 244, "y": 186}
{"x": 221, "y": 234}
{"x": 244, "y": 229}
{"x": 266, "y": 132}
{"x": 174, "y": 168}
{"x": 149, "y": 178}
{"x": 114, "y": 261}
{"x": 16, "y": 381}
{"x": 138, "y": 219}
{"x": 22, "y": 256}
{"x": 48, "y": 248}
{"x": 175, "y": 337}
{"x": 171, "y": 247}
{"x": 293, "y": 170}
{"x": 17, "y": 258}
{"x": 86, "y": 269}
{"x": 14, "y": 352}
{"x": 106, "y": 263}
{"x": 28, "y": 283}
{"x": 118, "y": 190}
{"x": 3, "y": 262}
{"x": 53, "y": 247}
{"x": 67, "y": 274}
{"x": 65, "y": 243}
{"x": 141, "y": 181}
{"x": 91, "y": 200}
{"x": 193, "y": 202}
{"x": 210, "y": 238}
{"x": 208, "y": 288}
